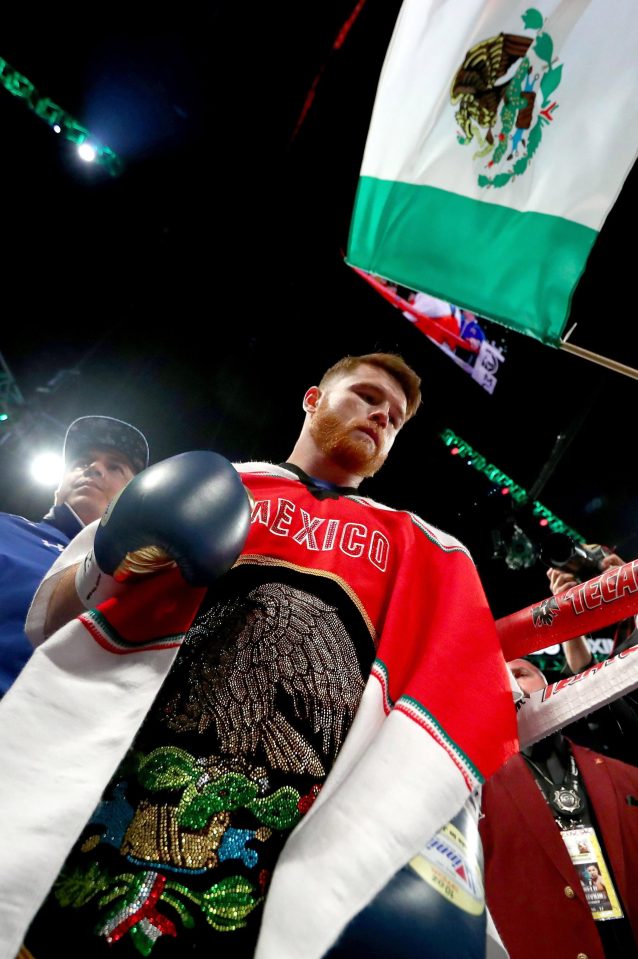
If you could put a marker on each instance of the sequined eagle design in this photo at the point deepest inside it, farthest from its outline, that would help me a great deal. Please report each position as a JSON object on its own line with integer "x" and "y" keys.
{"x": 268, "y": 671}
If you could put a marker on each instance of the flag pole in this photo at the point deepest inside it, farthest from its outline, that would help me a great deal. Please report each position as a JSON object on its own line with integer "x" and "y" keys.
{"x": 597, "y": 358}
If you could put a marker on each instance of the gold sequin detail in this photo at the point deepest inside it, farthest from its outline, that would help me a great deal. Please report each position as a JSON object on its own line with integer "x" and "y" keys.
{"x": 251, "y": 653}
{"x": 156, "y": 836}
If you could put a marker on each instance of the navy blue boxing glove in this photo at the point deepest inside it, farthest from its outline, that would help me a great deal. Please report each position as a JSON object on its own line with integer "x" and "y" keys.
{"x": 433, "y": 907}
{"x": 191, "y": 509}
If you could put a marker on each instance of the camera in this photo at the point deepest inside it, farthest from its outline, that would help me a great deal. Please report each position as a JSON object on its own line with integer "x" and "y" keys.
{"x": 565, "y": 553}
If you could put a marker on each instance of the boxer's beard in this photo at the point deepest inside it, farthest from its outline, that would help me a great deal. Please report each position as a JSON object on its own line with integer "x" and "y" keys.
{"x": 350, "y": 452}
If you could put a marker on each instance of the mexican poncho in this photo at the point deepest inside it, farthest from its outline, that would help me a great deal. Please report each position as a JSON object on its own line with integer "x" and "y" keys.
{"x": 435, "y": 718}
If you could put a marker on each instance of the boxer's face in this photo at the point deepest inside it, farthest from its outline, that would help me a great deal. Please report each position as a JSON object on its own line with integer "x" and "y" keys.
{"x": 357, "y": 417}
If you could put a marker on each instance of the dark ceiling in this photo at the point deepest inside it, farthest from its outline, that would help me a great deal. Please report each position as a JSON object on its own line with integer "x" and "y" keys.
{"x": 201, "y": 291}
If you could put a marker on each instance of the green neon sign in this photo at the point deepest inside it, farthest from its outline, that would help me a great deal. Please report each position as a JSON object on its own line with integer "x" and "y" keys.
{"x": 497, "y": 476}
{"x": 58, "y": 119}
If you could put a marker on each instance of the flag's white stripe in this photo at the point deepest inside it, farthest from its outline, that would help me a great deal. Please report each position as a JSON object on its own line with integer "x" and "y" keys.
{"x": 586, "y": 151}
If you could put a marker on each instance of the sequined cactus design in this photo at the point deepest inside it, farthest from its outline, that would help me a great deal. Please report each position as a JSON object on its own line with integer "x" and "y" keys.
{"x": 194, "y": 834}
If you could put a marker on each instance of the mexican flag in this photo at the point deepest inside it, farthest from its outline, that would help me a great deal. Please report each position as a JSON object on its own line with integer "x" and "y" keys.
{"x": 500, "y": 138}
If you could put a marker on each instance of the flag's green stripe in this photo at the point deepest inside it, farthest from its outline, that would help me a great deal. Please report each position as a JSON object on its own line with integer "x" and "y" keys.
{"x": 519, "y": 269}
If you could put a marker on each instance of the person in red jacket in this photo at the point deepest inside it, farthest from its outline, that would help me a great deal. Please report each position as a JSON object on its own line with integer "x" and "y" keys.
{"x": 553, "y": 815}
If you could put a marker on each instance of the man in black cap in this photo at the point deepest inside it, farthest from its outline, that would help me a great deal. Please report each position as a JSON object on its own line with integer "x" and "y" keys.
{"x": 101, "y": 455}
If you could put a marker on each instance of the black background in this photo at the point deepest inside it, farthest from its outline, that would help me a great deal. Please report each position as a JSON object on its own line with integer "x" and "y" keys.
{"x": 200, "y": 292}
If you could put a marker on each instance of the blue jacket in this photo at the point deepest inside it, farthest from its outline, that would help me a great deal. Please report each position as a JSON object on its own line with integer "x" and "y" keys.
{"x": 27, "y": 551}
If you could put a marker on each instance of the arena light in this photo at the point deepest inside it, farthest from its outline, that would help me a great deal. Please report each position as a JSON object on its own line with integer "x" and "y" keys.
{"x": 54, "y": 116}
{"x": 87, "y": 152}
{"x": 47, "y": 469}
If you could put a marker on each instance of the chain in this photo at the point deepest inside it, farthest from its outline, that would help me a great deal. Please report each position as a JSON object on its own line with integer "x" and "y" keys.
{"x": 564, "y": 798}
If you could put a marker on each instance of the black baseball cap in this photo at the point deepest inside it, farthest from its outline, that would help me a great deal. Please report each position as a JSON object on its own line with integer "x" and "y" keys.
{"x": 90, "y": 432}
